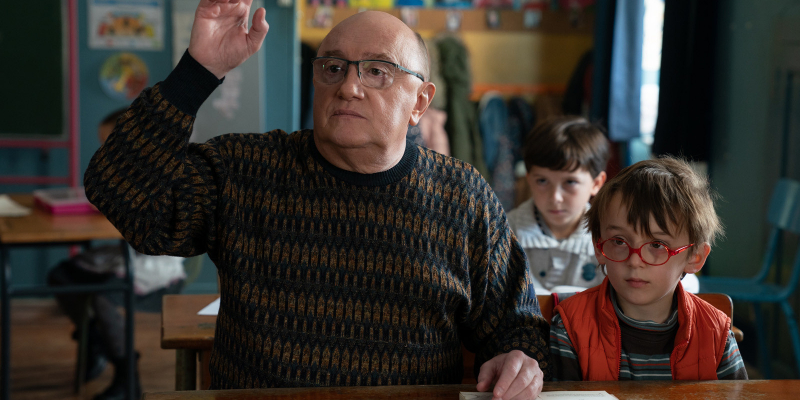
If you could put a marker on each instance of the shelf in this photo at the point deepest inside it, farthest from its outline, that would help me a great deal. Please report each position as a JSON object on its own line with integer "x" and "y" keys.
{"x": 433, "y": 20}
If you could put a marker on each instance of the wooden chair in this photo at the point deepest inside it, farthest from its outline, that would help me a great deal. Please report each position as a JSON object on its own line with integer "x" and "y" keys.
{"x": 193, "y": 266}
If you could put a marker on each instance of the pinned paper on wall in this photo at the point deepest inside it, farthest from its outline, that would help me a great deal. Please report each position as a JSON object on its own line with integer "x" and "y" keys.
{"x": 237, "y": 105}
{"x": 228, "y": 102}
{"x": 126, "y": 24}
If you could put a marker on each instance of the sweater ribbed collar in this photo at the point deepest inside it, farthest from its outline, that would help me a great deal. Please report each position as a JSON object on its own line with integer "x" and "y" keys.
{"x": 392, "y": 175}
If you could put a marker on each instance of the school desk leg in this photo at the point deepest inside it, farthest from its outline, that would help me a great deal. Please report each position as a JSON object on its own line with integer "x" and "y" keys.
{"x": 205, "y": 371}
{"x": 185, "y": 369}
{"x": 129, "y": 352}
{"x": 5, "y": 299}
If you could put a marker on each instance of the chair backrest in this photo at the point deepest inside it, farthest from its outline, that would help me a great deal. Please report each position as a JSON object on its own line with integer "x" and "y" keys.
{"x": 784, "y": 215}
{"x": 719, "y": 300}
{"x": 784, "y": 207}
{"x": 546, "y": 304}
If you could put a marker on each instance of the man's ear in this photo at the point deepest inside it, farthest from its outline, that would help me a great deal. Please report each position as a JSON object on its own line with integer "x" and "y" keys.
{"x": 697, "y": 259}
{"x": 424, "y": 98}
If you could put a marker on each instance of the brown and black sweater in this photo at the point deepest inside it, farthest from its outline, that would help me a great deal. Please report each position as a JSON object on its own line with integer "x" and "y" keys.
{"x": 328, "y": 277}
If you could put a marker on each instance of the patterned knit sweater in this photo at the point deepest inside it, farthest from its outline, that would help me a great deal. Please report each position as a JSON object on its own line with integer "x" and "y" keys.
{"x": 328, "y": 277}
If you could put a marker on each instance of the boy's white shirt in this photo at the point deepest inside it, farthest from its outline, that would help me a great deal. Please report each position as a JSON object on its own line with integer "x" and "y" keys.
{"x": 151, "y": 273}
{"x": 566, "y": 263}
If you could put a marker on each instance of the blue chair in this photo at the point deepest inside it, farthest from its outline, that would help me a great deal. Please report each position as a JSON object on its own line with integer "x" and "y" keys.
{"x": 783, "y": 215}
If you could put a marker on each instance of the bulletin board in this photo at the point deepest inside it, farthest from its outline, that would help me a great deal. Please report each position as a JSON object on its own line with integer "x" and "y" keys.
{"x": 32, "y": 43}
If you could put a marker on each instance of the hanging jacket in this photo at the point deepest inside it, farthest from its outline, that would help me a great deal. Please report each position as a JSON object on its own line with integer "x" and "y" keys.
{"x": 594, "y": 330}
{"x": 461, "y": 125}
{"x": 498, "y": 147}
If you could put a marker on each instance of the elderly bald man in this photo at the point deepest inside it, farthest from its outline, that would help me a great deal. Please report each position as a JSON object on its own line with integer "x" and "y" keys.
{"x": 346, "y": 255}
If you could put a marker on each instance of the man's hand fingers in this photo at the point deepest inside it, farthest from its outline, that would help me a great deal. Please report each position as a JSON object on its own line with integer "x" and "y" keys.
{"x": 528, "y": 382}
{"x": 508, "y": 373}
{"x": 520, "y": 382}
{"x": 488, "y": 374}
{"x": 529, "y": 393}
{"x": 258, "y": 31}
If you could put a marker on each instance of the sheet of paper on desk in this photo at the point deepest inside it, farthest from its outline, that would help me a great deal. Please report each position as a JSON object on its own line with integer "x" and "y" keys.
{"x": 563, "y": 395}
{"x": 10, "y": 208}
{"x": 211, "y": 309}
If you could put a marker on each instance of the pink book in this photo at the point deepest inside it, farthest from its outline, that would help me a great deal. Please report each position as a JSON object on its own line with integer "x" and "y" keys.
{"x": 62, "y": 201}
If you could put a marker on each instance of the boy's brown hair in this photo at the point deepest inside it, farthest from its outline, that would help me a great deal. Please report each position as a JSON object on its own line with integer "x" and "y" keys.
{"x": 566, "y": 143}
{"x": 666, "y": 188}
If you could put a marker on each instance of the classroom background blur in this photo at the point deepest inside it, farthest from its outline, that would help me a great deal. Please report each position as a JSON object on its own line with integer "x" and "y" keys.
{"x": 719, "y": 84}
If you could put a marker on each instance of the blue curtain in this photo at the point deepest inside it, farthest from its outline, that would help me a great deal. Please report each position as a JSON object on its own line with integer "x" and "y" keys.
{"x": 624, "y": 112}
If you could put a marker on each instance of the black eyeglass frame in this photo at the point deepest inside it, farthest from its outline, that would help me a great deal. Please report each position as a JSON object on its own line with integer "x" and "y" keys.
{"x": 358, "y": 67}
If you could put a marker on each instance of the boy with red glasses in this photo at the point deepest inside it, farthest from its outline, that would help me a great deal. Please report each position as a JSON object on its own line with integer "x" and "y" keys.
{"x": 652, "y": 224}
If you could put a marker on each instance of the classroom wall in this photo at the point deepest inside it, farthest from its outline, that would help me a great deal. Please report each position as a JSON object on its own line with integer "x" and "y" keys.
{"x": 525, "y": 58}
{"x": 509, "y": 55}
{"x": 745, "y": 151}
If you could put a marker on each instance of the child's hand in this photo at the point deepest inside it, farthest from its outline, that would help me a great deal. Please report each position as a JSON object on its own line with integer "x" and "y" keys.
{"x": 517, "y": 375}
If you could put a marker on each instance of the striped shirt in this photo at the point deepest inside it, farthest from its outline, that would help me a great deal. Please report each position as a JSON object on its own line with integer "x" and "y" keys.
{"x": 646, "y": 349}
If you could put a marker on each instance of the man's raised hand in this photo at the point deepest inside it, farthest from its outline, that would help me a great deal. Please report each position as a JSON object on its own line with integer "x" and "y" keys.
{"x": 220, "y": 40}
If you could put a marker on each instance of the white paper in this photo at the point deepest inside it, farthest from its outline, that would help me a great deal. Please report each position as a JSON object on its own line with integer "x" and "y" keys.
{"x": 560, "y": 395}
{"x": 10, "y": 208}
{"x": 211, "y": 309}
{"x": 576, "y": 395}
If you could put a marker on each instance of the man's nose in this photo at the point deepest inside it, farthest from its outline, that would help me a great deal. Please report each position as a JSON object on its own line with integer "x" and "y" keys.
{"x": 351, "y": 83}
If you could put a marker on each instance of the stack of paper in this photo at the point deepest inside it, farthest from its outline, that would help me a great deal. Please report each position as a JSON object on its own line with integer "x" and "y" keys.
{"x": 10, "y": 208}
{"x": 211, "y": 309}
{"x": 562, "y": 395}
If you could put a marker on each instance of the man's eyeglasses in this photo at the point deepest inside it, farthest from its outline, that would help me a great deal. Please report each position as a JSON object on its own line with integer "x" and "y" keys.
{"x": 652, "y": 253}
{"x": 372, "y": 73}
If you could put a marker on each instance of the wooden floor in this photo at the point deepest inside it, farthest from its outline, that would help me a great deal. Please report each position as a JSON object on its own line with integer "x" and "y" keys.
{"x": 43, "y": 354}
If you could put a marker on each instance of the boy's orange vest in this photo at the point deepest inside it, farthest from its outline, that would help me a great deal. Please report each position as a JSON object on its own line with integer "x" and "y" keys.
{"x": 594, "y": 330}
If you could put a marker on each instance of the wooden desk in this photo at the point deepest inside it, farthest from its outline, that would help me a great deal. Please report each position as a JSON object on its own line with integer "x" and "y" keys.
{"x": 191, "y": 336}
{"x": 710, "y": 390}
{"x": 41, "y": 228}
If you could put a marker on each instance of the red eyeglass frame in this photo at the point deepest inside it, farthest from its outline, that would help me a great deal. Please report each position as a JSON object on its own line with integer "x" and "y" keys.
{"x": 638, "y": 251}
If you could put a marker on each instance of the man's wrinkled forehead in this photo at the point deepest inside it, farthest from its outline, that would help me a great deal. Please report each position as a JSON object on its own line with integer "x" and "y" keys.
{"x": 366, "y": 36}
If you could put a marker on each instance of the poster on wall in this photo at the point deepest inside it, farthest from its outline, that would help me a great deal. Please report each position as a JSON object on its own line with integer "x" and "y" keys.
{"x": 123, "y": 76}
{"x": 126, "y": 24}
